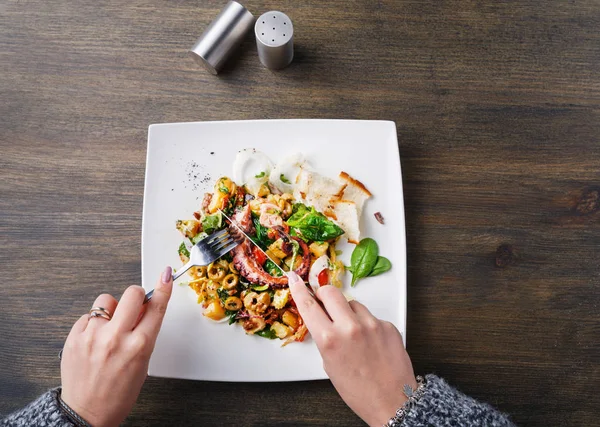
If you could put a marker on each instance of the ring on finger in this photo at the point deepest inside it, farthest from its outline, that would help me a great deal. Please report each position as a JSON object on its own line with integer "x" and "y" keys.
{"x": 100, "y": 312}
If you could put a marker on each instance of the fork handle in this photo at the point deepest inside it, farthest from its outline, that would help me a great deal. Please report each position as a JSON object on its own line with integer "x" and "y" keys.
{"x": 176, "y": 276}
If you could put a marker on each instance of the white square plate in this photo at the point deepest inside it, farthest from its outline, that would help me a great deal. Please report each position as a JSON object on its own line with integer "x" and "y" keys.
{"x": 183, "y": 162}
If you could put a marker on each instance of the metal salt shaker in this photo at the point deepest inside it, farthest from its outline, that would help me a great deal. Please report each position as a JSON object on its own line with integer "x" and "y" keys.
{"x": 274, "y": 39}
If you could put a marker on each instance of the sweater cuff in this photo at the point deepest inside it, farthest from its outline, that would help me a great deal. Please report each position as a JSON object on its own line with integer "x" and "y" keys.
{"x": 44, "y": 411}
{"x": 443, "y": 405}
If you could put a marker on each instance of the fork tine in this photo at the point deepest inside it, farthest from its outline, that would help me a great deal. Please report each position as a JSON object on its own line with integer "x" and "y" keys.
{"x": 228, "y": 248}
{"x": 213, "y": 239}
{"x": 221, "y": 244}
{"x": 215, "y": 236}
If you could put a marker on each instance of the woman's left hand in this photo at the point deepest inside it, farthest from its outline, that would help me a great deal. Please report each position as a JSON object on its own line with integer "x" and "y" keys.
{"x": 105, "y": 362}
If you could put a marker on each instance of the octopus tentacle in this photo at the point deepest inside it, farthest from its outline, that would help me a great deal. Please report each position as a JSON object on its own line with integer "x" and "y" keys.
{"x": 249, "y": 268}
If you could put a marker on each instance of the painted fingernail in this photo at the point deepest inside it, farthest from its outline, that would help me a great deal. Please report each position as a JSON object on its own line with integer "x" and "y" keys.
{"x": 166, "y": 275}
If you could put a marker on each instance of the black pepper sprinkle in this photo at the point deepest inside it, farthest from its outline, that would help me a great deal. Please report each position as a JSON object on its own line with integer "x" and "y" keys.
{"x": 195, "y": 178}
{"x": 212, "y": 152}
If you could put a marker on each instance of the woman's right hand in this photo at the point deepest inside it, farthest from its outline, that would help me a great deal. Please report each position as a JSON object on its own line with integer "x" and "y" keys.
{"x": 363, "y": 356}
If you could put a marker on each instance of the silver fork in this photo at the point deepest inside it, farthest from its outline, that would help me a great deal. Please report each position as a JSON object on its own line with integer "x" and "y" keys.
{"x": 207, "y": 250}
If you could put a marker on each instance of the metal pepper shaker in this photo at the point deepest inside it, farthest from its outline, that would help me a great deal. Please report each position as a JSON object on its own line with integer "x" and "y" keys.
{"x": 224, "y": 34}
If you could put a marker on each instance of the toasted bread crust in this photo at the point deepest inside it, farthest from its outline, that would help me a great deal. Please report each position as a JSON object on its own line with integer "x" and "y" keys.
{"x": 344, "y": 176}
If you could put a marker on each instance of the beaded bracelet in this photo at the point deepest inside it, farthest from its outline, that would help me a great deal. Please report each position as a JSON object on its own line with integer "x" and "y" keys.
{"x": 71, "y": 414}
{"x": 413, "y": 396}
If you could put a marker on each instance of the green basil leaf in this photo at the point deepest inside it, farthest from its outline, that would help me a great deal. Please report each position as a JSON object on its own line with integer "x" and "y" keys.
{"x": 284, "y": 179}
{"x": 262, "y": 237}
{"x": 260, "y": 175}
{"x": 183, "y": 250}
{"x": 296, "y": 233}
{"x": 313, "y": 225}
{"x": 363, "y": 259}
{"x": 298, "y": 207}
{"x": 298, "y": 212}
{"x": 381, "y": 266}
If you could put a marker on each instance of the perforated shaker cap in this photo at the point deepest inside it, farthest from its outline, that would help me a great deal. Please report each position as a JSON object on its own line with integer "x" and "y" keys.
{"x": 274, "y": 39}
{"x": 222, "y": 37}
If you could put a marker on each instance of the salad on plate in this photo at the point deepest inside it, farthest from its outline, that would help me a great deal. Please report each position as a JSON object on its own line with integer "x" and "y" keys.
{"x": 296, "y": 216}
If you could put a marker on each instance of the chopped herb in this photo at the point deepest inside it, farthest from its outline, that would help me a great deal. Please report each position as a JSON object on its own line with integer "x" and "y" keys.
{"x": 260, "y": 175}
{"x": 267, "y": 333}
{"x": 223, "y": 295}
{"x": 230, "y": 208}
{"x": 284, "y": 179}
{"x": 231, "y": 315}
{"x": 272, "y": 268}
{"x": 223, "y": 189}
{"x": 183, "y": 250}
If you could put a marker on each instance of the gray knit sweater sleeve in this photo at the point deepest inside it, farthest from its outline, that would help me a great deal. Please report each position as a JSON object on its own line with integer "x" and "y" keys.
{"x": 440, "y": 406}
{"x": 43, "y": 412}
{"x": 443, "y": 406}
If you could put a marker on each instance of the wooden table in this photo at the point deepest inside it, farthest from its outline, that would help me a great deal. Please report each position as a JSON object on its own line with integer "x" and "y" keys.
{"x": 498, "y": 112}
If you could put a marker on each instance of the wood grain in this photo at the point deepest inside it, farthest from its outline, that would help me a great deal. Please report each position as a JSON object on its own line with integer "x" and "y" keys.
{"x": 498, "y": 112}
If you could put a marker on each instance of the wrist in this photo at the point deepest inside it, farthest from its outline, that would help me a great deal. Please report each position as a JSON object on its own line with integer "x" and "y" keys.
{"x": 411, "y": 393}
{"x": 72, "y": 414}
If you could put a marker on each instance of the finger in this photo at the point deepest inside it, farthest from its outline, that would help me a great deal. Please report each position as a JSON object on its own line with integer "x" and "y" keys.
{"x": 157, "y": 306}
{"x": 130, "y": 306}
{"x": 335, "y": 303}
{"x": 361, "y": 311}
{"x": 80, "y": 325}
{"x": 315, "y": 318}
{"x": 108, "y": 303}
{"x": 142, "y": 312}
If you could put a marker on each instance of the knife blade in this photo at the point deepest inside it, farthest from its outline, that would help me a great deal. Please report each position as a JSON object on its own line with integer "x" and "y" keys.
{"x": 232, "y": 222}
